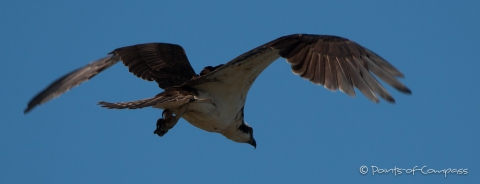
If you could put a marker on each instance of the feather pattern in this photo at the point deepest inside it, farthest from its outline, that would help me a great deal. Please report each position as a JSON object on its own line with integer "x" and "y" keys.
{"x": 170, "y": 98}
{"x": 331, "y": 61}
{"x": 215, "y": 99}
{"x": 71, "y": 80}
{"x": 165, "y": 63}
{"x": 339, "y": 64}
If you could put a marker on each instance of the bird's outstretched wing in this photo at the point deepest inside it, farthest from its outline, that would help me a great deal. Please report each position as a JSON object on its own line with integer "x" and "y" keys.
{"x": 164, "y": 63}
{"x": 331, "y": 61}
{"x": 71, "y": 80}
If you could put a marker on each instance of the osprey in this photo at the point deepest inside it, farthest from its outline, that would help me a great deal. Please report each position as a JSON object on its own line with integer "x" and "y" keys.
{"x": 214, "y": 99}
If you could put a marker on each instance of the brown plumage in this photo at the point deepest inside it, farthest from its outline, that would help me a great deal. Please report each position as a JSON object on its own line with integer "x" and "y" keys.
{"x": 170, "y": 95}
{"x": 167, "y": 64}
{"x": 338, "y": 63}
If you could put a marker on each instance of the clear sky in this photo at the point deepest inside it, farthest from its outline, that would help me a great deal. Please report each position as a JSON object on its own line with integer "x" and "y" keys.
{"x": 304, "y": 132}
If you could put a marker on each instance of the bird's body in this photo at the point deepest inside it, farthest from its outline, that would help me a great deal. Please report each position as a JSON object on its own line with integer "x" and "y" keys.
{"x": 214, "y": 100}
{"x": 229, "y": 97}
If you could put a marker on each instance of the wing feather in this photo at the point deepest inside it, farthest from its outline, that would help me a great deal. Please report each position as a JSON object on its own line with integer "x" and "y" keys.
{"x": 309, "y": 71}
{"x": 319, "y": 76}
{"x": 301, "y": 61}
{"x": 382, "y": 63}
{"x": 340, "y": 64}
{"x": 373, "y": 83}
{"x": 360, "y": 83}
{"x": 330, "y": 75}
{"x": 165, "y": 63}
{"x": 71, "y": 80}
{"x": 344, "y": 79}
{"x": 331, "y": 61}
{"x": 389, "y": 78}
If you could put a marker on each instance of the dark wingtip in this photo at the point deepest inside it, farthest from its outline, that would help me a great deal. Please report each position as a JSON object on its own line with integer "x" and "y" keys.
{"x": 27, "y": 110}
{"x": 390, "y": 100}
{"x": 406, "y": 91}
{"x": 403, "y": 89}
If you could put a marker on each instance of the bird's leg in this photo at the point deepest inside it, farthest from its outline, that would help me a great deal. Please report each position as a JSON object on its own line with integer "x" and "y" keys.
{"x": 162, "y": 123}
{"x": 169, "y": 120}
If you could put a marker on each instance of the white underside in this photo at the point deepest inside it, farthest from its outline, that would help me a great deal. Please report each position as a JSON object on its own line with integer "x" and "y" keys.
{"x": 228, "y": 91}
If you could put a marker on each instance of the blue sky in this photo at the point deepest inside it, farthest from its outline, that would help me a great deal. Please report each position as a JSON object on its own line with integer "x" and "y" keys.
{"x": 304, "y": 133}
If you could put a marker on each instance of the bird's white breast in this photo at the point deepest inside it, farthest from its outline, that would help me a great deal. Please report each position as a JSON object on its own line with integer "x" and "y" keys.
{"x": 215, "y": 116}
{"x": 228, "y": 87}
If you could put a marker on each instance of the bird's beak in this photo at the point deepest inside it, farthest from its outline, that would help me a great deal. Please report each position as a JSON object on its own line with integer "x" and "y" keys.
{"x": 253, "y": 143}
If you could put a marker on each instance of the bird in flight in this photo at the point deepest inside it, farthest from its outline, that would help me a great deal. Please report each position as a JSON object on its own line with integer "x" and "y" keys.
{"x": 214, "y": 99}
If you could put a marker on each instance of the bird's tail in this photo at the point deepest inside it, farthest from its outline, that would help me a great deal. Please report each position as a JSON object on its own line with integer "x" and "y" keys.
{"x": 138, "y": 104}
{"x": 165, "y": 100}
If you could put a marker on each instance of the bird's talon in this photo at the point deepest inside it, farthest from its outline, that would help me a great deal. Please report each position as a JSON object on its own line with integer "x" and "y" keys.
{"x": 161, "y": 129}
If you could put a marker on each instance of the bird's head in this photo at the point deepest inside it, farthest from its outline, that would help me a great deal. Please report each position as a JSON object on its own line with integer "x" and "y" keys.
{"x": 243, "y": 134}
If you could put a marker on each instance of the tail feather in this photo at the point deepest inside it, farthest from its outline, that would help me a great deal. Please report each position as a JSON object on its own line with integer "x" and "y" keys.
{"x": 129, "y": 105}
{"x": 164, "y": 100}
